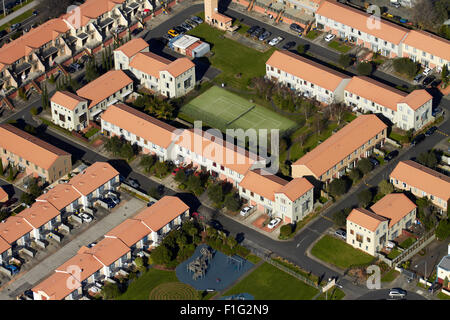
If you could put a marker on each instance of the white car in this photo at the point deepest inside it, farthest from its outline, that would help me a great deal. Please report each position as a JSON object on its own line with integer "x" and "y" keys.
{"x": 329, "y": 37}
{"x": 275, "y": 41}
{"x": 274, "y": 222}
{"x": 426, "y": 71}
{"x": 397, "y": 293}
{"x": 86, "y": 217}
{"x": 246, "y": 210}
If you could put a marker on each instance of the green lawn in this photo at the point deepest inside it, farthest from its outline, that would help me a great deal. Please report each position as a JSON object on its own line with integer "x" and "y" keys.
{"x": 394, "y": 253}
{"x": 398, "y": 137}
{"x": 17, "y": 19}
{"x": 312, "y": 34}
{"x": 339, "y": 253}
{"x": 339, "y": 46}
{"x": 91, "y": 132}
{"x": 253, "y": 259}
{"x": 407, "y": 243}
{"x": 333, "y": 294}
{"x": 269, "y": 283}
{"x": 232, "y": 57}
{"x": 390, "y": 276}
{"x": 222, "y": 109}
{"x": 443, "y": 296}
{"x": 141, "y": 287}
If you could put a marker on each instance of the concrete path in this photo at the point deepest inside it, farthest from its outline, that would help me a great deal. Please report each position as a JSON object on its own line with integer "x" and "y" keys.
{"x": 47, "y": 266}
{"x": 18, "y": 12}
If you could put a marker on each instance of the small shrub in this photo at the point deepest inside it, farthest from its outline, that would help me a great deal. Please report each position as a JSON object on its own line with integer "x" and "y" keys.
{"x": 286, "y": 230}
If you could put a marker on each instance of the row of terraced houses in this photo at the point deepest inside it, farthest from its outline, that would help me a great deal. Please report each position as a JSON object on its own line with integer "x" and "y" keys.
{"x": 85, "y": 29}
{"x": 117, "y": 250}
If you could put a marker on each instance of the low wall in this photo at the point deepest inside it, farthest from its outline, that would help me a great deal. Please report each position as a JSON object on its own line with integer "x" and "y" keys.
{"x": 393, "y": 142}
{"x": 5, "y": 271}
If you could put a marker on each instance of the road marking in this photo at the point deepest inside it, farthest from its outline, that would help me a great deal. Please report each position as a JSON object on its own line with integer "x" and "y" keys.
{"x": 326, "y": 218}
{"x": 298, "y": 244}
{"x": 443, "y": 133}
{"x": 419, "y": 292}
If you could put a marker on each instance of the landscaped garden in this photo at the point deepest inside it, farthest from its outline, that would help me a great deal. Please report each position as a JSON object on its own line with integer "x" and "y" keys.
{"x": 332, "y": 294}
{"x": 390, "y": 276}
{"x": 339, "y": 46}
{"x": 339, "y": 253}
{"x": 269, "y": 283}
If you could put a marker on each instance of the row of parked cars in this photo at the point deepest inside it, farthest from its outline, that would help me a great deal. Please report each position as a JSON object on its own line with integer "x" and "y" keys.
{"x": 427, "y": 79}
{"x": 263, "y": 35}
{"x": 187, "y": 25}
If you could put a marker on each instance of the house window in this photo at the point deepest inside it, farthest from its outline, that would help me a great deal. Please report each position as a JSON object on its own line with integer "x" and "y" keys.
{"x": 359, "y": 238}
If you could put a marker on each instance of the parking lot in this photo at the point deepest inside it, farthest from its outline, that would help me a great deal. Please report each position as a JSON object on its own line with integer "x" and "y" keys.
{"x": 46, "y": 260}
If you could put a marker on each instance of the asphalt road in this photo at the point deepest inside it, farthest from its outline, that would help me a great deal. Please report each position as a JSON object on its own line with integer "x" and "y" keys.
{"x": 383, "y": 294}
{"x": 293, "y": 250}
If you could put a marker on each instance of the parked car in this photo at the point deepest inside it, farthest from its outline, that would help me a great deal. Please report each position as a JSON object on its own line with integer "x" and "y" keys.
{"x": 264, "y": 35}
{"x": 16, "y": 26}
{"x": 436, "y": 111}
{"x": 136, "y": 31}
{"x": 374, "y": 162}
{"x": 329, "y": 37}
{"x": 191, "y": 22}
{"x": 275, "y": 41}
{"x": 430, "y": 131}
{"x": 341, "y": 234}
{"x": 295, "y": 27}
{"x": 419, "y": 138}
{"x": 114, "y": 199}
{"x": 252, "y": 29}
{"x": 289, "y": 45}
{"x": 245, "y": 211}
{"x": 35, "y": 12}
{"x": 132, "y": 182}
{"x": 3, "y": 33}
{"x": 396, "y": 5}
{"x": 391, "y": 155}
{"x": 150, "y": 203}
{"x": 216, "y": 225}
{"x": 258, "y": 32}
{"x": 86, "y": 217}
{"x": 179, "y": 29}
{"x": 397, "y": 293}
{"x": 418, "y": 78}
{"x": 435, "y": 83}
{"x": 75, "y": 66}
{"x": 109, "y": 203}
{"x": 14, "y": 270}
{"x": 197, "y": 19}
{"x": 427, "y": 71}
{"x": 273, "y": 223}
{"x": 428, "y": 80}
{"x": 186, "y": 26}
{"x": 173, "y": 33}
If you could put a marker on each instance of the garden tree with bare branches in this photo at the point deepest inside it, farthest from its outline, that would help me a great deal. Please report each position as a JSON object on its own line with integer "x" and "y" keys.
{"x": 52, "y": 8}
{"x": 301, "y": 139}
{"x": 307, "y": 108}
{"x": 430, "y": 14}
{"x": 264, "y": 87}
{"x": 337, "y": 111}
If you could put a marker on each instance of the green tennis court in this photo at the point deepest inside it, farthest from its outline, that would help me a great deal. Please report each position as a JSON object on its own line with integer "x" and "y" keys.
{"x": 222, "y": 109}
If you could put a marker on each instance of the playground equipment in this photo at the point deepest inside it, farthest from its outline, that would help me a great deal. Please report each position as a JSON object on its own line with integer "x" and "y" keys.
{"x": 199, "y": 266}
{"x": 237, "y": 261}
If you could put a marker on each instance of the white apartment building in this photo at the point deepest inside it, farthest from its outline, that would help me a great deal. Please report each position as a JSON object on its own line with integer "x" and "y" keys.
{"x": 69, "y": 111}
{"x": 406, "y": 111}
{"x": 307, "y": 77}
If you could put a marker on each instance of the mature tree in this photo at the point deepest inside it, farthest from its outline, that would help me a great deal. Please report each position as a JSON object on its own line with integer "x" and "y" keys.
{"x": 52, "y": 8}
{"x": 194, "y": 184}
{"x": 181, "y": 240}
{"x": 161, "y": 169}
{"x": 154, "y": 193}
{"x": 301, "y": 49}
{"x": 364, "y": 165}
{"x": 1, "y": 167}
{"x": 180, "y": 176}
{"x": 215, "y": 193}
{"x": 340, "y": 217}
{"x": 139, "y": 262}
{"x": 286, "y": 230}
{"x": 445, "y": 284}
{"x": 443, "y": 229}
{"x": 365, "y": 68}
{"x": 345, "y": 60}
{"x": 161, "y": 254}
{"x": 355, "y": 174}
{"x": 11, "y": 174}
{"x": 114, "y": 145}
{"x": 444, "y": 74}
{"x": 428, "y": 159}
{"x": 127, "y": 151}
{"x": 364, "y": 198}
{"x": 110, "y": 291}
{"x": 406, "y": 66}
{"x": 147, "y": 162}
{"x": 385, "y": 187}
{"x": 338, "y": 187}
{"x": 232, "y": 202}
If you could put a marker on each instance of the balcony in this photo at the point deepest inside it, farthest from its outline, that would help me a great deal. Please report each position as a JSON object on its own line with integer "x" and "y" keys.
{"x": 49, "y": 52}
{"x": 105, "y": 22}
{"x": 83, "y": 35}
{"x": 23, "y": 67}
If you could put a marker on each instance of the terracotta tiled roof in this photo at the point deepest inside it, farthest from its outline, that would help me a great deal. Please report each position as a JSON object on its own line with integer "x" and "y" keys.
{"x": 66, "y": 99}
{"x": 81, "y": 266}
{"x": 179, "y": 66}
{"x": 92, "y": 9}
{"x": 133, "y": 46}
{"x": 417, "y": 98}
{"x": 55, "y": 287}
{"x": 394, "y": 207}
{"x": 108, "y": 250}
{"x": 365, "y": 219}
{"x": 130, "y": 232}
{"x": 14, "y": 228}
{"x": 3, "y": 195}
{"x": 306, "y": 69}
{"x": 428, "y": 42}
{"x": 39, "y": 214}
{"x": 162, "y": 212}
{"x": 418, "y": 176}
{"x": 296, "y": 188}
{"x": 104, "y": 86}
{"x": 93, "y": 177}
{"x": 60, "y": 196}
{"x": 359, "y": 20}
{"x": 4, "y": 246}
{"x": 140, "y": 124}
{"x": 375, "y": 91}
{"x": 262, "y": 183}
{"x": 149, "y": 63}
{"x": 341, "y": 144}
{"x": 29, "y": 147}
